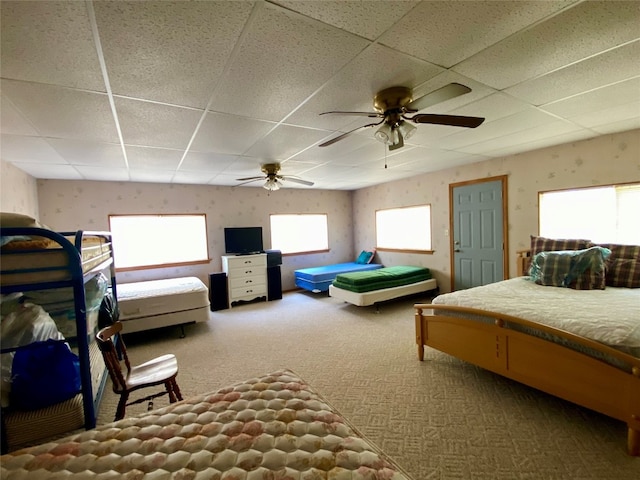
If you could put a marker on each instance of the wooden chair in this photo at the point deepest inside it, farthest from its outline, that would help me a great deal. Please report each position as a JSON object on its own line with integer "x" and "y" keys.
{"x": 159, "y": 371}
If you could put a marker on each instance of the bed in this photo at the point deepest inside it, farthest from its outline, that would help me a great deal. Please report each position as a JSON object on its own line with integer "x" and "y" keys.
{"x": 162, "y": 303}
{"x": 582, "y": 345}
{"x": 318, "y": 279}
{"x": 268, "y": 427}
{"x": 369, "y": 288}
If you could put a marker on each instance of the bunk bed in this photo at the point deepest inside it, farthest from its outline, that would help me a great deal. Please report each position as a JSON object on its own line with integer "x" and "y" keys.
{"x": 66, "y": 274}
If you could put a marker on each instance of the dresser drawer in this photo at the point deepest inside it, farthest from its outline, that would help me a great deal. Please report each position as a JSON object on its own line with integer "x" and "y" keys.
{"x": 248, "y": 293}
{"x": 247, "y": 271}
{"x": 247, "y": 281}
{"x": 242, "y": 261}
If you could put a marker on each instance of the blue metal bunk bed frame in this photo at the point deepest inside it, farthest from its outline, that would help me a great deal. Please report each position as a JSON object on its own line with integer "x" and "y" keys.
{"x": 77, "y": 280}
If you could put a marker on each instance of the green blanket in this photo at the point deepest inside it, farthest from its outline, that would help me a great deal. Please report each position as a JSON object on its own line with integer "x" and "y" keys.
{"x": 388, "y": 277}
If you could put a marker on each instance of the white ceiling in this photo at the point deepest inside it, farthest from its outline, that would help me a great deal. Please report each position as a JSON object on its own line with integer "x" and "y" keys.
{"x": 205, "y": 92}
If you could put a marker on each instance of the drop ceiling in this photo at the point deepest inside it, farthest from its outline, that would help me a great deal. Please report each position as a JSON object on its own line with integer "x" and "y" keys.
{"x": 206, "y": 92}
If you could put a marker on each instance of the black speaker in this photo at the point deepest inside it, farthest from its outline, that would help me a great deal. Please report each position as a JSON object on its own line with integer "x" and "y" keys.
{"x": 274, "y": 283}
{"x": 218, "y": 295}
{"x": 274, "y": 257}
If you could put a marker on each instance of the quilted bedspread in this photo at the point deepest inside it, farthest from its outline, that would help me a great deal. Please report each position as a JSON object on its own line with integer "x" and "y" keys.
{"x": 267, "y": 428}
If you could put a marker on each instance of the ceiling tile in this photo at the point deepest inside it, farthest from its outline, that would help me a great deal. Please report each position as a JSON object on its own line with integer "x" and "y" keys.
{"x": 268, "y": 83}
{"x": 181, "y": 48}
{"x": 618, "y": 126}
{"x": 151, "y": 176}
{"x": 596, "y": 100}
{"x": 452, "y": 27}
{"x": 518, "y": 122}
{"x": 103, "y": 173}
{"x": 193, "y": 178}
{"x": 62, "y": 112}
{"x": 156, "y": 125}
{"x": 49, "y": 42}
{"x": 609, "y": 67}
{"x": 229, "y": 134}
{"x": 552, "y": 44}
{"x": 206, "y": 162}
{"x": 285, "y": 141}
{"x": 12, "y": 121}
{"x": 50, "y": 170}
{"x": 80, "y": 152}
{"x": 367, "y": 19}
{"x": 542, "y": 143}
{"x": 153, "y": 158}
{"x": 16, "y": 148}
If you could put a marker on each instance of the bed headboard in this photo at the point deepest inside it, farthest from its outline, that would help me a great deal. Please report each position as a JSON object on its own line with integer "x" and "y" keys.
{"x": 523, "y": 262}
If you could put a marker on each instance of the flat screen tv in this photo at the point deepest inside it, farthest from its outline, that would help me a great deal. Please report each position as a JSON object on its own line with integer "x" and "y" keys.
{"x": 242, "y": 240}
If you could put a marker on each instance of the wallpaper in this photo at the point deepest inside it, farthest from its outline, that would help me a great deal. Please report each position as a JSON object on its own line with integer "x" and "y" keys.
{"x": 86, "y": 205}
{"x": 18, "y": 191}
{"x": 599, "y": 161}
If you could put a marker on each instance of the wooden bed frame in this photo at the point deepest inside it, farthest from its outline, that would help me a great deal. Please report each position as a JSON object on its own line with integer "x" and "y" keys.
{"x": 534, "y": 361}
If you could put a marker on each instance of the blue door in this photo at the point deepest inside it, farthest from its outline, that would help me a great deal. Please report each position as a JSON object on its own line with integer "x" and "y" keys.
{"x": 478, "y": 236}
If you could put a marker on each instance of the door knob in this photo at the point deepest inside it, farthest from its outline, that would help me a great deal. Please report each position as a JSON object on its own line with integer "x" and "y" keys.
{"x": 457, "y": 250}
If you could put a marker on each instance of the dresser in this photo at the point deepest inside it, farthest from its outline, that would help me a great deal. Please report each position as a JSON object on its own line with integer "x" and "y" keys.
{"x": 246, "y": 277}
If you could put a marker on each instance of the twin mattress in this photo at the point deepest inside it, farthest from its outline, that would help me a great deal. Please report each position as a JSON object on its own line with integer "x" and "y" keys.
{"x": 269, "y": 427}
{"x": 161, "y": 303}
{"x": 318, "y": 279}
{"x": 369, "y": 288}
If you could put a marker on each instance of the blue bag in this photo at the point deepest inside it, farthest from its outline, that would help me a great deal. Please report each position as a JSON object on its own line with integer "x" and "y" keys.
{"x": 44, "y": 373}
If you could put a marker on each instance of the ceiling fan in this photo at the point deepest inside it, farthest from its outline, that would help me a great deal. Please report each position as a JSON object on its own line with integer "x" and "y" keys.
{"x": 394, "y": 104}
{"x": 273, "y": 180}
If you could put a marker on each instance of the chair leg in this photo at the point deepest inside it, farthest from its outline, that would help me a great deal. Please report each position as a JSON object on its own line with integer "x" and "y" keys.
{"x": 173, "y": 390}
{"x": 121, "y": 405}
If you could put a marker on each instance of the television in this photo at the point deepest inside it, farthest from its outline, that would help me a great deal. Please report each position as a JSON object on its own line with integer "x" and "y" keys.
{"x": 242, "y": 240}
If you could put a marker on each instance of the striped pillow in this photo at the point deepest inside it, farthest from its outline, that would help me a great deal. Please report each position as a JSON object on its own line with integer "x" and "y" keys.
{"x": 543, "y": 244}
{"x": 623, "y": 266}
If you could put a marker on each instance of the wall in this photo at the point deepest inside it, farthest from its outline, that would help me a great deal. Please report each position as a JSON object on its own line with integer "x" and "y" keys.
{"x": 599, "y": 161}
{"x": 18, "y": 191}
{"x": 71, "y": 205}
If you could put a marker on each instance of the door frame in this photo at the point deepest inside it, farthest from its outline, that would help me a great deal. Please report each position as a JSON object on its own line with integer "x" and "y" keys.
{"x": 505, "y": 224}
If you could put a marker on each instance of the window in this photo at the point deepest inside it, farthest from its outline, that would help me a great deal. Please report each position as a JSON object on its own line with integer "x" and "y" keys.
{"x": 147, "y": 241}
{"x": 600, "y": 214}
{"x": 299, "y": 233}
{"x": 406, "y": 228}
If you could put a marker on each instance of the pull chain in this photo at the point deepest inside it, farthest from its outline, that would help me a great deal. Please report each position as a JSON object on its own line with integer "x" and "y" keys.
{"x": 385, "y": 156}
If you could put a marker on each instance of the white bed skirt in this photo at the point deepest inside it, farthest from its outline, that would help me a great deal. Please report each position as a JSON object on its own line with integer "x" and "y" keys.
{"x": 162, "y": 303}
{"x": 375, "y": 296}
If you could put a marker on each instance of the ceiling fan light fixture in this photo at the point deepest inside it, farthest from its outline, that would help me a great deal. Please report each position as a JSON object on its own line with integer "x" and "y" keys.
{"x": 384, "y": 134}
{"x": 406, "y": 129}
{"x": 271, "y": 184}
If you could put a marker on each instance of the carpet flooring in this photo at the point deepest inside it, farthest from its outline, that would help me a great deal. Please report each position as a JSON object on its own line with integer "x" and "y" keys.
{"x": 438, "y": 419}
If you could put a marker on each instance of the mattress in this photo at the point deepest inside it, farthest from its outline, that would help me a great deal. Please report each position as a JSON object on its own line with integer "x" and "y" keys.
{"x": 318, "y": 279}
{"x": 375, "y": 296}
{"x": 160, "y": 303}
{"x": 383, "y": 278}
{"x": 47, "y": 261}
{"x": 268, "y": 427}
{"x": 608, "y": 316}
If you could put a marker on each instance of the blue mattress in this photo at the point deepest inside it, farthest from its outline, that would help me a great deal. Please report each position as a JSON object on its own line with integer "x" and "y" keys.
{"x": 318, "y": 279}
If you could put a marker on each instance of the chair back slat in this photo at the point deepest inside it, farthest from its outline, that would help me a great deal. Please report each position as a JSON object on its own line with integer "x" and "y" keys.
{"x": 107, "y": 339}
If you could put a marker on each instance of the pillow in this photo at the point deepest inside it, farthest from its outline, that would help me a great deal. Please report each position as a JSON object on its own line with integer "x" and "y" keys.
{"x": 365, "y": 257}
{"x": 623, "y": 266}
{"x": 19, "y": 242}
{"x": 577, "y": 269}
{"x": 542, "y": 244}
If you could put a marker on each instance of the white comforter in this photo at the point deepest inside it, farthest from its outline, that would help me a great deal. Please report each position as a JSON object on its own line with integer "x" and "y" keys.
{"x": 610, "y": 316}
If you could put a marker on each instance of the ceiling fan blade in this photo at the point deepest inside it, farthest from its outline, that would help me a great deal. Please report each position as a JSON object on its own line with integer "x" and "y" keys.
{"x": 251, "y": 179}
{"x": 443, "y": 94}
{"x": 340, "y": 137}
{"x": 362, "y": 114}
{"x": 295, "y": 180}
{"x": 452, "y": 120}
